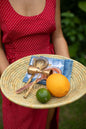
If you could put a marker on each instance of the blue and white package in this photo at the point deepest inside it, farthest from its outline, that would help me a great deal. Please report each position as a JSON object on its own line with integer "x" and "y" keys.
{"x": 65, "y": 65}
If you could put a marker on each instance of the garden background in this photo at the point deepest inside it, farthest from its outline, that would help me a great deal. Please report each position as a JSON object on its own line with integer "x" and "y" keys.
{"x": 73, "y": 19}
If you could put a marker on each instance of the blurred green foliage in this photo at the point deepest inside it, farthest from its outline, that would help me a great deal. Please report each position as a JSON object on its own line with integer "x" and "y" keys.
{"x": 74, "y": 28}
{"x": 82, "y": 5}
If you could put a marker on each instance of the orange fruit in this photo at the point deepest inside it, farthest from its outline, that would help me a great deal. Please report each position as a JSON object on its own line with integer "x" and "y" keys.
{"x": 58, "y": 85}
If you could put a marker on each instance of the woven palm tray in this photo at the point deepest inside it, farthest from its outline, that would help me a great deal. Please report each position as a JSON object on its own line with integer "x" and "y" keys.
{"x": 12, "y": 77}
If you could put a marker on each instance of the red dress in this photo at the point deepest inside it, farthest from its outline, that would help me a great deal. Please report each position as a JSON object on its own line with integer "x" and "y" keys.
{"x": 23, "y": 36}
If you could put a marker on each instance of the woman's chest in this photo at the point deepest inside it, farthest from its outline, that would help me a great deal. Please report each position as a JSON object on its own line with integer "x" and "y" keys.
{"x": 15, "y": 25}
{"x": 28, "y": 7}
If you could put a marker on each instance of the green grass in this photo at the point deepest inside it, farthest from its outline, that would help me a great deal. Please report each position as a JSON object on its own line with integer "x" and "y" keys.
{"x": 72, "y": 116}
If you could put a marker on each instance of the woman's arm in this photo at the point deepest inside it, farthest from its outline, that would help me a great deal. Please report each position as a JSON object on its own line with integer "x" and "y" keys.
{"x": 60, "y": 44}
{"x": 60, "y": 47}
{"x": 3, "y": 60}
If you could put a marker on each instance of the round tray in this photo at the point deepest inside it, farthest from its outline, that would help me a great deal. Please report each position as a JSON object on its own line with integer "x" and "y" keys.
{"x": 12, "y": 77}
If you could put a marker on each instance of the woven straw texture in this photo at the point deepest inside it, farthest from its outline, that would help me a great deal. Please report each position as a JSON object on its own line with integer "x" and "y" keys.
{"x": 12, "y": 77}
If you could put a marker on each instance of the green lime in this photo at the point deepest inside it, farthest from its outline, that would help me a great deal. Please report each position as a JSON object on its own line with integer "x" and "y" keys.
{"x": 43, "y": 95}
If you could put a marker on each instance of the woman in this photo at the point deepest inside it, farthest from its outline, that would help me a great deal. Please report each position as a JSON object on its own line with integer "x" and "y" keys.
{"x": 27, "y": 26}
